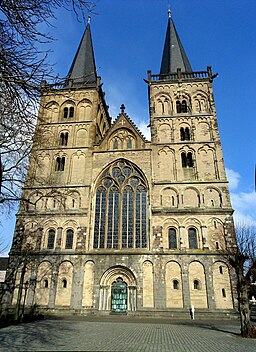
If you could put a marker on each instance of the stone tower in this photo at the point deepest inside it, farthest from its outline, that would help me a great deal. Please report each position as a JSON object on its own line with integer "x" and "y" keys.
{"x": 113, "y": 223}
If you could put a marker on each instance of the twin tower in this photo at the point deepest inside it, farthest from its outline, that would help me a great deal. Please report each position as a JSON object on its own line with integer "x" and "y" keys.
{"x": 113, "y": 223}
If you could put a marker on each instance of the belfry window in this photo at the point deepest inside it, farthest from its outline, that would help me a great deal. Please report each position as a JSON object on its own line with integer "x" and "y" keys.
{"x": 172, "y": 238}
{"x": 121, "y": 208}
{"x": 64, "y": 138}
{"x": 187, "y": 159}
{"x": 68, "y": 112}
{"x": 51, "y": 239}
{"x": 184, "y": 134}
{"x": 181, "y": 106}
{"x": 60, "y": 164}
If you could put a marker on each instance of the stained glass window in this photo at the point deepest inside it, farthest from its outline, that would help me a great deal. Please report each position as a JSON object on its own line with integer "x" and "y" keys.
{"x": 121, "y": 208}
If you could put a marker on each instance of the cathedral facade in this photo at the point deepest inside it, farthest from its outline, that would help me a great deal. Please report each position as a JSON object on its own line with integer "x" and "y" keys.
{"x": 113, "y": 222}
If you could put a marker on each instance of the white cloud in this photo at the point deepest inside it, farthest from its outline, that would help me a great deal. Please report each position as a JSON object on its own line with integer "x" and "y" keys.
{"x": 233, "y": 178}
{"x": 245, "y": 207}
{"x": 142, "y": 126}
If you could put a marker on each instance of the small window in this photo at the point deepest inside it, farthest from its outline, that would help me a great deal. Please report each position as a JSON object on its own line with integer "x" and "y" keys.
{"x": 189, "y": 160}
{"x": 223, "y": 293}
{"x": 46, "y": 284}
{"x": 221, "y": 269}
{"x": 115, "y": 145}
{"x": 60, "y": 164}
{"x": 64, "y": 283}
{"x": 71, "y": 112}
{"x": 184, "y": 159}
{"x": 182, "y": 134}
{"x": 178, "y": 107}
{"x": 129, "y": 143}
{"x": 175, "y": 284}
{"x": 73, "y": 203}
{"x": 69, "y": 239}
{"x": 184, "y": 107}
{"x": 65, "y": 113}
{"x": 217, "y": 245}
{"x": 187, "y": 134}
{"x": 64, "y": 138}
{"x": 51, "y": 239}
{"x": 196, "y": 285}
{"x": 172, "y": 239}
{"x": 192, "y": 238}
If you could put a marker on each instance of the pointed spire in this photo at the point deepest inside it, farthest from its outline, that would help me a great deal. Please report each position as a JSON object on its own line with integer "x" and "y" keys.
{"x": 174, "y": 55}
{"x": 83, "y": 70}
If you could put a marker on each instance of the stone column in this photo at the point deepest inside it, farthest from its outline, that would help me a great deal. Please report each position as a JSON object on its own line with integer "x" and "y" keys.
{"x": 209, "y": 287}
{"x": 59, "y": 237}
{"x": 183, "y": 241}
{"x": 77, "y": 286}
{"x": 39, "y": 238}
{"x": 185, "y": 286}
{"x": 204, "y": 237}
{"x": 53, "y": 288}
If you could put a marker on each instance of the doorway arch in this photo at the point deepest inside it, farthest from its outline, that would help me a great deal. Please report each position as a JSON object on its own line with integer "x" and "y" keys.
{"x": 118, "y": 290}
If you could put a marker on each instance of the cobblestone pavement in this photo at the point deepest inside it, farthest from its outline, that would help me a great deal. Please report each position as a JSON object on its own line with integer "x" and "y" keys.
{"x": 125, "y": 334}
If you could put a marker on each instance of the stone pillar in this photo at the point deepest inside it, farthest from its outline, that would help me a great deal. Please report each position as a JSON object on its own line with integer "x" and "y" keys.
{"x": 185, "y": 286}
{"x": 53, "y": 288}
{"x": 183, "y": 241}
{"x": 159, "y": 284}
{"x": 204, "y": 237}
{"x": 59, "y": 237}
{"x": 39, "y": 238}
{"x": 209, "y": 287}
{"x": 77, "y": 285}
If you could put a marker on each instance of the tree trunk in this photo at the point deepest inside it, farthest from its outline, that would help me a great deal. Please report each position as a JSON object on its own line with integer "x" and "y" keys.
{"x": 247, "y": 328}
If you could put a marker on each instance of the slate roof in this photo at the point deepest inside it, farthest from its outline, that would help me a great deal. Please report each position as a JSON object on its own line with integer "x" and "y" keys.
{"x": 174, "y": 55}
{"x": 83, "y": 68}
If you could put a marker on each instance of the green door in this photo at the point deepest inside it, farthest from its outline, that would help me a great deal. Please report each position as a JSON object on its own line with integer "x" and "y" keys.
{"x": 119, "y": 296}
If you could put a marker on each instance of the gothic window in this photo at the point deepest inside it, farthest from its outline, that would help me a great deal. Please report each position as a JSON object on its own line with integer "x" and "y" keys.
{"x": 172, "y": 238}
{"x": 64, "y": 138}
{"x": 187, "y": 159}
{"x": 192, "y": 238}
{"x": 68, "y": 112}
{"x": 129, "y": 143}
{"x": 60, "y": 163}
{"x": 51, "y": 239}
{"x": 69, "y": 239}
{"x": 196, "y": 285}
{"x": 175, "y": 284}
{"x": 121, "y": 208}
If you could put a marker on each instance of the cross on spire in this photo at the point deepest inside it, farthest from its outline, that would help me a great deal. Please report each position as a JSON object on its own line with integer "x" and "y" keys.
{"x": 122, "y": 108}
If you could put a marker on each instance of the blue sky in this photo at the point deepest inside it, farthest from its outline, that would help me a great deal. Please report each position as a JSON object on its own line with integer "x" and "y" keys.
{"x": 128, "y": 38}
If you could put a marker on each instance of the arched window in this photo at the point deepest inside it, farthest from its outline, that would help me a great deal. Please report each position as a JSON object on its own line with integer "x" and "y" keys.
{"x": 221, "y": 269}
{"x": 182, "y": 134}
{"x": 187, "y": 134}
{"x": 129, "y": 143}
{"x": 64, "y": 283}
{"x": 60, "y": 163}
{"x": 178, "y": 107}
{"x": 68, "y": 112}
{"x": 121, "y": 208}
{"x": 69, "y": 239}
{"x": 196, "y": 285}
{"x": 64, "y": 138}
{"x": 176, "y": 284}
{"x": 115, "y": 144}
{"x": 51, "y": 239}
{"x": 192, "y": 238}
{"x": 223, "y": 293}
{"x": 172, "y": 238}
{"x": 184, "y": 107}
{"x": 46, "y": 283}
{"x": 65, "y": 112}
{"x": 187, "y": 159}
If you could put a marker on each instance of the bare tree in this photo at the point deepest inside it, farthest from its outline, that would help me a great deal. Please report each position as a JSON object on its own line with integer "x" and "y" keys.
{"x": 23, "y": 66}
{"x": 242, "y": 257}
